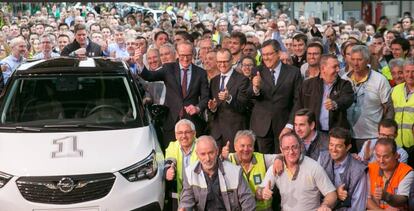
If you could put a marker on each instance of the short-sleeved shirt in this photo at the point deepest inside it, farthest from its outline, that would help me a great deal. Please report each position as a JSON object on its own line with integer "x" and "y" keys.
{"x": 302, "y": 193}
{"x": 367, "y": 110}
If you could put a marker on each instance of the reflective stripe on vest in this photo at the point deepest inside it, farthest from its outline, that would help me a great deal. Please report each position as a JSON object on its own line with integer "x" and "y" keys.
{"x": 376, "y": 180}
{"x": 404, "y": 109}
{"x": 256, "y": 176}
{"x": 174, "y": 151}
{"x": 404, "y": 116}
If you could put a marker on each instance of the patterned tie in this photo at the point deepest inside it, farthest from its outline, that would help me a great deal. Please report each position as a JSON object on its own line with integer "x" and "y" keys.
{"x": 184, "y": 83}
{"x": 272, "y": 73}
{"x": 223, "y": 77}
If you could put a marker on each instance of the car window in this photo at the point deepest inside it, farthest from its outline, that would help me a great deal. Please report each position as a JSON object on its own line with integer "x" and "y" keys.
{"x": 72, "y": 99}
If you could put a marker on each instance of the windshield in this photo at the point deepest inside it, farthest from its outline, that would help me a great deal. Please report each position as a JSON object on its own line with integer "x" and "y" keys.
{"x": 71, "y": 101}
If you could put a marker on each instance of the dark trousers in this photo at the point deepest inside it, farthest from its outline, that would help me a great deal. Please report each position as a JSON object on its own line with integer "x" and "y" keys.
{"x": 268, "y": 144}
{"x": 222, "y": 141}
{"x": 410, "y": 152}
{"x": 171, "y": 203}
{"x": 167, "y": 137}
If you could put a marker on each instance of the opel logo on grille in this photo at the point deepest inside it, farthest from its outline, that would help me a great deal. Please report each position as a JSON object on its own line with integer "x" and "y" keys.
{"x": 66, "y": 185}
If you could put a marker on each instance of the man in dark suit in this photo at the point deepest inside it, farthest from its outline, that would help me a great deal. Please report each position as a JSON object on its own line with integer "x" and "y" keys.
{"x": 187, "y": 92}
{"x": 82, "y": 46}
{"x": 328, "y": 96}
{"x": 229, "y": 103}
{"x": 274, "y": 90}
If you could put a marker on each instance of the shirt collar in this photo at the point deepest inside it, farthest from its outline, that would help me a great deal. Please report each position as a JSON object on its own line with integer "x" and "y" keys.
{"x": 314, "y": 137}
{"x": 192, "y": 148}
{"x": 342, "y": 163}
{"x": 278, "y": 67}
{"x": 15, "y": 59}
{"x": 228, "y": 73}
{"x": 189, "y": 67}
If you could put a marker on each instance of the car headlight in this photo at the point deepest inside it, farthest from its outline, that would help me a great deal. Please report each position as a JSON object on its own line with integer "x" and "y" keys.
{"x": 144, "y": 169}
{"x": 4, "y": 178}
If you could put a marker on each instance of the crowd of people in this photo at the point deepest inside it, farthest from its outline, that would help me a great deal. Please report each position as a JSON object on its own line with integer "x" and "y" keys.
{"x": 265, "y": 112}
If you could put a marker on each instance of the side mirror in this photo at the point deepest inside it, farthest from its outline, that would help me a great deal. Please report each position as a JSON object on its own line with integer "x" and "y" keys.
{"x": 158, "y": 112}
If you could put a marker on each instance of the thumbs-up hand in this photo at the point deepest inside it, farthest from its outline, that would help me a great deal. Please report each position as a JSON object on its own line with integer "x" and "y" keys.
{"x": 138, "y": 57}
{"x": 267, "y": 191}
{"x": 212, "y": 104}
{"x": 170, "y": 172}
{"x": 257, "y": 81}
{"x": 341, "y": 192}
{"x": 378, "y": 192}
{"x": 224, "y": 95}
{"x": 225, "y": 151}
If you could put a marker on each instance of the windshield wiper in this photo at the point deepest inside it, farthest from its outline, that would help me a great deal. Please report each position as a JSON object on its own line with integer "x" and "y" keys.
{"x": 80, "y": 126}
{"x": 22, "y": 128}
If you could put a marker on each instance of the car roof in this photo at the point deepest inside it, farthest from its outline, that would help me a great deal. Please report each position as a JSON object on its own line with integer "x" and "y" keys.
{"x": 73, "y": 65}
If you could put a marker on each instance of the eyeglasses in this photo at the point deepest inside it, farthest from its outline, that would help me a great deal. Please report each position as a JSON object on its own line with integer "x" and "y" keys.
{"x": 223, "y": 62}
{"x": 184, "y": 132}
{"x": 247, "y": 65}
{"x": 188, "y": 56}
{"x": 293, "y": 148}
{"x": 269, "y": 54}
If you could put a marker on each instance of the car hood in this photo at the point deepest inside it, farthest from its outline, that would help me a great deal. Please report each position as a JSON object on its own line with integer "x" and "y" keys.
{"x": 69, "y": 153}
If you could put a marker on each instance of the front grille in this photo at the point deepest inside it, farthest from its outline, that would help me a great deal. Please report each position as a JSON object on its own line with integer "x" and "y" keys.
{"x": 65, "y": 189}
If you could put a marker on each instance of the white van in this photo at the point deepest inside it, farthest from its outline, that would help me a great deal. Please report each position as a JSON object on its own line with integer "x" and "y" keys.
{"x": 75, "y": 135}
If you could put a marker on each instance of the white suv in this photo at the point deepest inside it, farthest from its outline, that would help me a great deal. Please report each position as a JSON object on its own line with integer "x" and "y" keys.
{"x": 75, "y": 135}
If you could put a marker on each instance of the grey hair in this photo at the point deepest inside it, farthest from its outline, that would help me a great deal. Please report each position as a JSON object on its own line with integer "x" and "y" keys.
{"x": 363, "y": 50}
{"x": 155, "y": 50}
{"x": 16, "y": 41}
{"x": 49, "y": 37}
{"x": 409, "y": 61}
{"x": 398, "y": 62}
{"x": 247, "y": 133}
{"x": 207, "y": 139}
{"x": 169, "y": 46}
{"x": 186, "y": 122}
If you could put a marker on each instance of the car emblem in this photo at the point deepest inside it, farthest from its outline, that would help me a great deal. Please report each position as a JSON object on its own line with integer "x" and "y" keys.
{"x": 66, "y": 185}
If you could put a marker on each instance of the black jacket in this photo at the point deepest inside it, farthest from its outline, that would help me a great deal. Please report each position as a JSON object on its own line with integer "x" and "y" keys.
{"x": 92, "y": 49}
{"x": 311, "y": 95}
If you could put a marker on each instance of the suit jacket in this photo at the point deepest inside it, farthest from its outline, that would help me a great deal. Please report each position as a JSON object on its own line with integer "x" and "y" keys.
{"x": 273, "y": 105}
{"x": 197, "y": 94}
{"x": 231, "y": 116}
{"x": 311, "y": 95}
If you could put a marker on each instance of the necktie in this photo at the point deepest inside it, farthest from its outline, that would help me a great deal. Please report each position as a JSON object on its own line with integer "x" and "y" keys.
{"x": 223, "y": 77}
{"x": 184, "y": 83}
{"x": 272, "y": 73}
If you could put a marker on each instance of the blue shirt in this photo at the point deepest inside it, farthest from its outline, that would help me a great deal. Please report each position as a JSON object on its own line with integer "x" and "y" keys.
{"x": 324, "y": 116}
{"x": 12, "y": 63}
{"x": 120, "y": 51}
{"x": 276, "y": 71}
{"x": 359, "y": 197}
{"x": 186, "y": 157}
